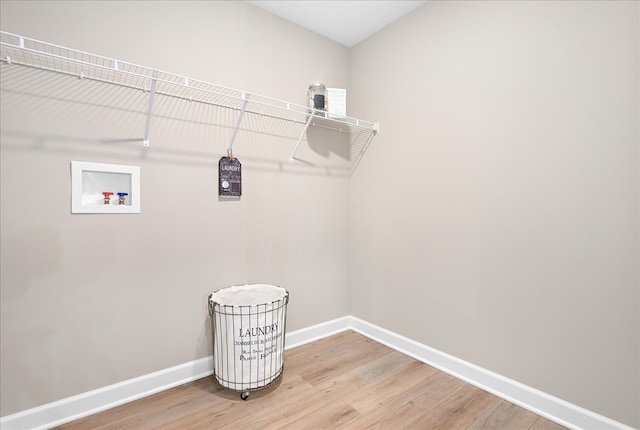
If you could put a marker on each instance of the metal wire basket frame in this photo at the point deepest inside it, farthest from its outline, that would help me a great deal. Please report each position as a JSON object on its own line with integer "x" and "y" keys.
{"x": 248, "y": 343}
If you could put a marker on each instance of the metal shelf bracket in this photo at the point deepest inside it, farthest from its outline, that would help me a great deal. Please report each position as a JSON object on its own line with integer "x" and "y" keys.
{"x": 152, "y": 97}
{"x": 304, "y": 130}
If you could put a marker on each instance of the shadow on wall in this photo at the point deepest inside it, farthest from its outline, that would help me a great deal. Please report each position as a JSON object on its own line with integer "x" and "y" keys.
{"x": 325, "y": 142}
{"x": 204, "y": 345}
{"x": 48, "y": 112}
{"x": 127, "y": 149}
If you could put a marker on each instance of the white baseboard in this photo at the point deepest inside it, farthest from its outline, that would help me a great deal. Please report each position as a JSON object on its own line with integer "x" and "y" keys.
{"x": 309, "y": 334}
{"x": 538, "y": 402}
{"x": 91, "y": 402}
{"x": 94, "y": 401}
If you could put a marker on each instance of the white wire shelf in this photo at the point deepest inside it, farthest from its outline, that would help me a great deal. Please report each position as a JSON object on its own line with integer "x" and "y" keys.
{"x": 24, "y": 51}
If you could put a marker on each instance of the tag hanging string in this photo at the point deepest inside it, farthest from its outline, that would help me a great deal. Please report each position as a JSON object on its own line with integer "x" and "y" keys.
{"x": 245, "y": 100}
{"x": 230, "y": 154}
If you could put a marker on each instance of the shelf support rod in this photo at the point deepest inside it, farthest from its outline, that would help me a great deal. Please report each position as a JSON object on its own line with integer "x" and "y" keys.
{"x": 245, "y": 97}
{"x": 304, "y": 130}
{"x": 152, "y": 97}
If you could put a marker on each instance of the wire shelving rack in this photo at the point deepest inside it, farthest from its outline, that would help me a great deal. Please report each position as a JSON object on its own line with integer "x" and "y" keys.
{"x": 28, "y": 52}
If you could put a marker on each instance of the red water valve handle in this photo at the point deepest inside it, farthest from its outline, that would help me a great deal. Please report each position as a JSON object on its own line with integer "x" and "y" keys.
{"x": 107, "y": 196}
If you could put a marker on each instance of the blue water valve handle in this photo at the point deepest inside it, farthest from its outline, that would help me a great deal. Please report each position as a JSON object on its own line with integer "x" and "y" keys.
{"x": 121, "y": 197}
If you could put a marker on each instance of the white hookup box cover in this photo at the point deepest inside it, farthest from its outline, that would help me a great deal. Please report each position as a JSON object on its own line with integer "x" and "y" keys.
{"x": 248, "y": 334}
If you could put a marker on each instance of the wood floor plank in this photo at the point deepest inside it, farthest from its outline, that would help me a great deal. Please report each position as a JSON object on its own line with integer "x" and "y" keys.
{"x": 341, "y": 385}
{"x": 458, "y": 411}
{"x": 394, "y": 414}
{"x": 504, "y": 415}
{"x": 336, "y": 414}
{"x": 346, "y": 381}
{"x": 381, "y": 390}
{"x": 354, "y": 380}
{"x": 414, "y": 403}
{"x": 380, "y": 366}
{"x": 331, "y": 362}
{"x": 544, "y": 424}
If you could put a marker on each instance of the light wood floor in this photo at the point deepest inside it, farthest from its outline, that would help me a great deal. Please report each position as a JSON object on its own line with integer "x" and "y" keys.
{"x": 346, "y": 381}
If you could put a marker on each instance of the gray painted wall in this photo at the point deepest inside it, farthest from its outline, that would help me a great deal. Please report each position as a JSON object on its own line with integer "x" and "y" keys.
{"x": 496, "y": 216}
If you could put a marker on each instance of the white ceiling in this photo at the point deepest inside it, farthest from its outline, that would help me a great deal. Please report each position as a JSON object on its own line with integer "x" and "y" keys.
{"x": 347, "y": 22}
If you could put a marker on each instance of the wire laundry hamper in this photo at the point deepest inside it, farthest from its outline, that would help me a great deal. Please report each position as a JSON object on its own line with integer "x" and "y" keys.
{"x": 248, "y": 327}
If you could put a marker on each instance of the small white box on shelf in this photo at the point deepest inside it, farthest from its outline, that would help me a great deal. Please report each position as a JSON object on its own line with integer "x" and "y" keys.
{"x": 104, "y": 188}
{"x": 337, "y": 102}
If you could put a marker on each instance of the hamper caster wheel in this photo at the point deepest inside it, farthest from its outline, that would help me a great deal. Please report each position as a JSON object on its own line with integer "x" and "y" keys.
{"x": 244, "y": 395}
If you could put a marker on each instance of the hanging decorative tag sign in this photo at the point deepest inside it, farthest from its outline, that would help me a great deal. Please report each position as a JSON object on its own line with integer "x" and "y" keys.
{"x": 229, "y": 177}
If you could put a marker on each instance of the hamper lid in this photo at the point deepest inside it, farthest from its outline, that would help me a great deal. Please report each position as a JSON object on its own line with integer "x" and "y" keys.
{"x": 248, "y": 295}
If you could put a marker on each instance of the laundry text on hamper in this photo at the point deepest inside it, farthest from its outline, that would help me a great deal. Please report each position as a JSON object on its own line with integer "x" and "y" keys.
{"x": 256, "y": 331}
